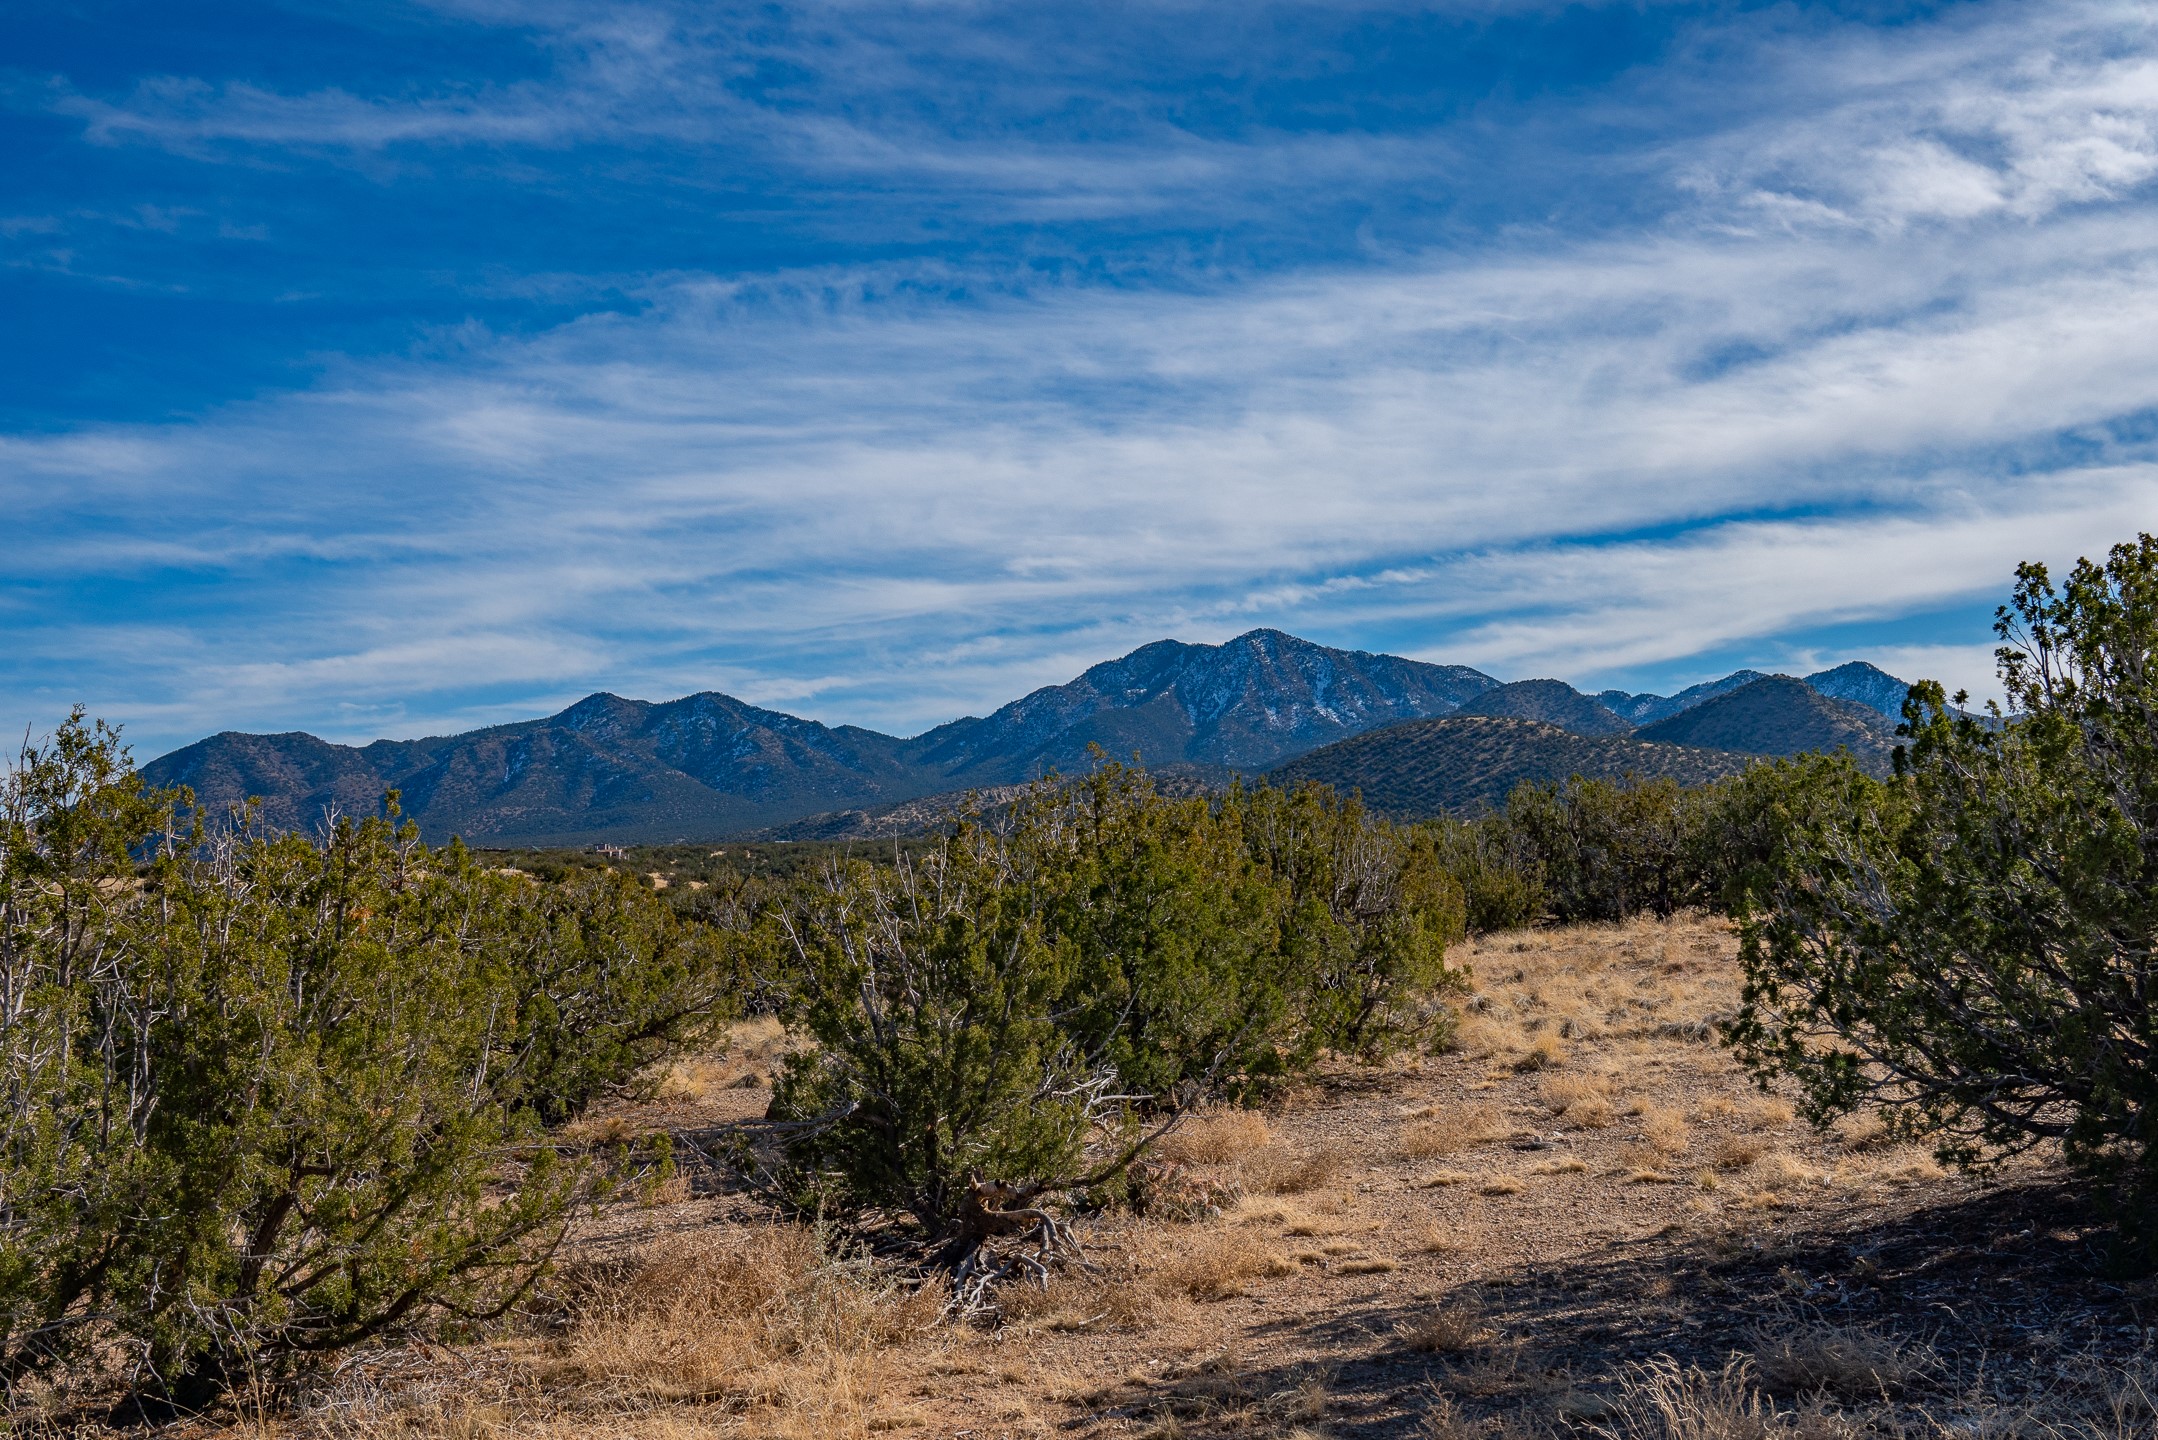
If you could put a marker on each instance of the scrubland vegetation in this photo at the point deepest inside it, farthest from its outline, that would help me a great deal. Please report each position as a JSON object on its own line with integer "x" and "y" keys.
{"x": 1770, "y": 1107}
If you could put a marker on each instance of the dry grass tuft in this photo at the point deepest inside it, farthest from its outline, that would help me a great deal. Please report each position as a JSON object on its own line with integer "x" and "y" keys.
{"x": 1735, "y": 1152}
{"x": 1078, "y": 1302}
{"x": 1583, "y": 1099}
{"x": 1450, "y": 1239}
{"x": 1454, "y": 1328}
{"x": 1846, "y": 1361}
{"x": 1277, "y": 1171}
{"x": 1216, "y": 1137}
{"x": 1500, "y": 1185}
{"x": 1664, "y": 1131}
{"x": 1495, "y": 1370}
{"x": 1547, "y": 1051}
{"x": 1366, "y": 1265}
{"x": 1785, "y": 1169}
{"x": 1909, "y": 1166}
{"x": 1662, "y": 1400}
{"x": 1864, "y": 1130}
{"x": 774, "y": 1322}
{"x": 1768, "y": 1113}
{"x": 1216, "y": 1264}
{"x": 1443, "y": 1422}
{"x": 1459, "y": 1129}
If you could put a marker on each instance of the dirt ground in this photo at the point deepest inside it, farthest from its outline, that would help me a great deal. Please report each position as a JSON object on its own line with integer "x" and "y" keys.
{"x": 1583, "y": 1219}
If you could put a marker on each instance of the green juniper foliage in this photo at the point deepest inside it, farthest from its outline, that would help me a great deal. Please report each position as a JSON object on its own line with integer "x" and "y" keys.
{"x": 988, "y": 1010}
{"x": 1367, "y": 910}
{"x": 1171, "y": 929}
{"x": 1590, "y": 851}
{"x": 269, "y": 1096}
{"x": 1971, "y": 944}
{"x": 78, "y": 1008}
{"x": 929, "y": 988}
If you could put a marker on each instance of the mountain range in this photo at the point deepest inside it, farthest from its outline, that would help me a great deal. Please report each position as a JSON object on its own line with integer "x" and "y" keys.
{"x": 708, "y": 766}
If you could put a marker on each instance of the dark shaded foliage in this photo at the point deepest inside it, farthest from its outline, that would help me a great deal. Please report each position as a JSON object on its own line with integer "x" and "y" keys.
{"x": 1970, "y": 944}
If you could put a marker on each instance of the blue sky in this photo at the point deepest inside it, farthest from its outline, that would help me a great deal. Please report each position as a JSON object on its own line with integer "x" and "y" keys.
{"x": 390, "y": 369}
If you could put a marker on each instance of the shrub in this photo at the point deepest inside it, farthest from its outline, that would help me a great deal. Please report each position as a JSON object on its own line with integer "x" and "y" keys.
{"x": 986, "y": 1011}
{"x": 1605, "y": 850}
{"x": 1500, "y": 875}
{"x": 1609, "y": 850}
{"x": 1970, "y": 945}
{"x": 270, "y": 1097}
{"x": 1172, "y": 930}
{"x": 77, "y": 1013}
{"x": 333, "y": 1104}
{"x": 606, "y": 982}
{"x": 1366, "y": 912}
{"x": 928, "y": 988}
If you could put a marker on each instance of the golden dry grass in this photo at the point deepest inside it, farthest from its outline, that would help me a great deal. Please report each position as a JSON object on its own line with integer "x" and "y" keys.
{"x": 1216, "y": 1137}
{"x": 1846, "y": 1361}
{"x": 1217, "y": 1263}
{"x": 1736, "y": 1152}
{"x": 1455, "y": 1128}
{"x": 745, "y": 1059}
{"x": 1456, "y": 1326}
{"x": 1663, "y": 1130}
{"x": 1278, "y": 1170}
{"x": 695, "y": 1318}
{"x": 1583, "y": 1100}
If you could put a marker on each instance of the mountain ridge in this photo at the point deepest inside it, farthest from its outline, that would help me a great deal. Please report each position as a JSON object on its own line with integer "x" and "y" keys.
{"x": 710, "y": 766}
{"x": 1460, "y": 765}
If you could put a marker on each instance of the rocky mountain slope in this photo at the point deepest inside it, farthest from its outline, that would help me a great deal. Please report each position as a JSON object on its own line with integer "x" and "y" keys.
{"x": 606, "y": 767}
{"x": 1243, "y": 705}
{"x": 1554, "y": 702}
{"x": 709, "y": 766}
{"x": 1463, "y": 764}
{"x": 1777, "y": 715}
{"x": 1648, "y": 709}
{"x": 1863, "y": 684}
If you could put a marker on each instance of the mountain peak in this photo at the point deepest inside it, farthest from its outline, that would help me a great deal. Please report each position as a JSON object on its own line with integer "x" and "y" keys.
{"x": 1863, "y": 684}
{"x": 1246, "y": 703}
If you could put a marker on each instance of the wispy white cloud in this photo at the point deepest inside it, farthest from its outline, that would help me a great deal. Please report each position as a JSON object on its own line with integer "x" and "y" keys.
{"x": 891, "y": 493}
{"x": 2015, "y": 111}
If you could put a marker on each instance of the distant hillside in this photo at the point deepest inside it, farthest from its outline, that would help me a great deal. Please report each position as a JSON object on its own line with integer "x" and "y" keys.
{"x": 606, "y": 768}
{"x": 1462, "y": 765}
{"x": 1243, "y": 705}
{"x": 1777, "y": 715}
{"x": 1648, "y": 709}
{"x": 1863, "y": 684}
{"x": 1552, "y": 701}
{"x": 910, "y": 817}
{"x": 708, "y": 765}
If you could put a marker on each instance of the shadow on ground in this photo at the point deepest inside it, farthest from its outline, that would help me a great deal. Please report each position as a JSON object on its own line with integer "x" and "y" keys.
{"x": 1996, "y": 1295}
